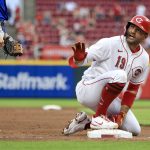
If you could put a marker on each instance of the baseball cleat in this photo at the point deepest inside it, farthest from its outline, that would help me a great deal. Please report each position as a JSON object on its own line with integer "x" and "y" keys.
{"x": 102, "y": 122}
{"x": 77, "y": 124}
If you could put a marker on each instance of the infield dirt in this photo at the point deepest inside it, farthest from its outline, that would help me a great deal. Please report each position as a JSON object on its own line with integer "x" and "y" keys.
{"x": 35, "y": 124}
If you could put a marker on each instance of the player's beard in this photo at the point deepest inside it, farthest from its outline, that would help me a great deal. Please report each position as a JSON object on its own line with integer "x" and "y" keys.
{"x": 132, "y": 40}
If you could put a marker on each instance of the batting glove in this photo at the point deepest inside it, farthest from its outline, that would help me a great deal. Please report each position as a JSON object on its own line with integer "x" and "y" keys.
{"x": 79, "y": 51}
{"x": 118, "y": 118}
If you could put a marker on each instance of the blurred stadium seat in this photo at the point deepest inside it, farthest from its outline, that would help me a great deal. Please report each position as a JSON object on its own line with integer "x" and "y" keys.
{"x": 103, "y": 27}
{"x": 63, "y": 22}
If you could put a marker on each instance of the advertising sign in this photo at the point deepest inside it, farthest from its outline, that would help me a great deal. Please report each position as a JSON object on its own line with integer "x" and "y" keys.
{"x": 36, "y": 81}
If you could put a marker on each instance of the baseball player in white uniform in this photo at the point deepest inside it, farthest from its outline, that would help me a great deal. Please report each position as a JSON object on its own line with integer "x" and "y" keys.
{"x": 115, "y": 61}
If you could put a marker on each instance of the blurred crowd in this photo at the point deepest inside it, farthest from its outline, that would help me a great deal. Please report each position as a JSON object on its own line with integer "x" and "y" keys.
{"x": 68, "y": 22}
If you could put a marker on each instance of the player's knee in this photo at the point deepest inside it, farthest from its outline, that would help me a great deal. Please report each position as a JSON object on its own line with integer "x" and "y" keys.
{"x": 136, "y": 131}
{"x": 121, "y": 76}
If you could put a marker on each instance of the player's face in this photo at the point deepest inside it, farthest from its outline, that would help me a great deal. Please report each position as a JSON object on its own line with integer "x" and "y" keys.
{"x": 135, "y": 35}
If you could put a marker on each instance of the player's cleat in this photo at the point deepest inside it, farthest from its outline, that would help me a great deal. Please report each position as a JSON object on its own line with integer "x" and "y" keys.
{"x": 102, "y": 122}
{"x": 77, "y": 124}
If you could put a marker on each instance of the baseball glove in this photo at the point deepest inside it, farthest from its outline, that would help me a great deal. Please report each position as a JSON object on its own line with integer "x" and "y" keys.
{"x": 12, "y": 47}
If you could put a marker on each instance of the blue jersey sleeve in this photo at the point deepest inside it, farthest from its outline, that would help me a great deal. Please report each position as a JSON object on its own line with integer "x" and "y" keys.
{"x": 3, "y": 10}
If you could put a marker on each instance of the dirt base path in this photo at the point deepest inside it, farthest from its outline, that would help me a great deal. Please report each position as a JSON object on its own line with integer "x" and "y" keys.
{"x": 35, "y": 124}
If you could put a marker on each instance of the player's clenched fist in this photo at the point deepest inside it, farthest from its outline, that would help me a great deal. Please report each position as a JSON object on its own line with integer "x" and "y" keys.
{"x": 79, "y": 51}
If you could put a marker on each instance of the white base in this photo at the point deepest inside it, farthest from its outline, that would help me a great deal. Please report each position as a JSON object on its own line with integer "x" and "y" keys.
{"x": 115, "y": 133}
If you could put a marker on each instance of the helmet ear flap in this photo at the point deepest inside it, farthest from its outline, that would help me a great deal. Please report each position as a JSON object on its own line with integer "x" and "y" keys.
{"x": 126, "y": 28}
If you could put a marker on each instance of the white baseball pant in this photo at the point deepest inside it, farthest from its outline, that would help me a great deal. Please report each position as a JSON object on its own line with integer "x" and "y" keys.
{"x": 88, "y": 92}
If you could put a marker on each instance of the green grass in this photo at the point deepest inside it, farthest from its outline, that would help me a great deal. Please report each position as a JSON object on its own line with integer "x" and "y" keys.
{"x": 141, "y": 103}
{"x": 142, "y": 115}
{"x": 76, "y": 145}
{"x": 141, "y": 109}
{"x": 30, "y": 102}
{"x": 38, "y": 102}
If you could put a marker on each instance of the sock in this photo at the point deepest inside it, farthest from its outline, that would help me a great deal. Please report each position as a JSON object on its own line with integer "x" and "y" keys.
{"x": 109, "y": 93}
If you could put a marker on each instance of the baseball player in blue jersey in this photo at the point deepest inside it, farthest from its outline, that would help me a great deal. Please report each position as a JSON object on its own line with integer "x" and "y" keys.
{"x": 3, "y": 17}
{"x": 9, "y": 45}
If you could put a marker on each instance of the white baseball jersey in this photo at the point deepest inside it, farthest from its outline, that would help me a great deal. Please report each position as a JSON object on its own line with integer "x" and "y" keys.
{"x": 112, "y": 61}
{"x": 113, "y": 53}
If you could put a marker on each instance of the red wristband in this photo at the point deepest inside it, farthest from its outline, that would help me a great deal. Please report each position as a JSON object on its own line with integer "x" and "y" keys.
{"x": 72, "y": 63}
{"x": 130, "y": 94}
{"x": 128, "y": 98}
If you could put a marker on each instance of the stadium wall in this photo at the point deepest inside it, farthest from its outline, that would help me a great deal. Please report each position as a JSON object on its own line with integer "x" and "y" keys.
{"x": 43, "y": 79}
{"x": 36, "y": 79}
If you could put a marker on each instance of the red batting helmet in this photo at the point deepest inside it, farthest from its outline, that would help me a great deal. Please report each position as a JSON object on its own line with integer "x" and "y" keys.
{"x": 142, "y": 22}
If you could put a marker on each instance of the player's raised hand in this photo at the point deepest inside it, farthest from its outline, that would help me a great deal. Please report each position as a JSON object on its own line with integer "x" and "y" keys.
{"x": 79, "y": 51}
